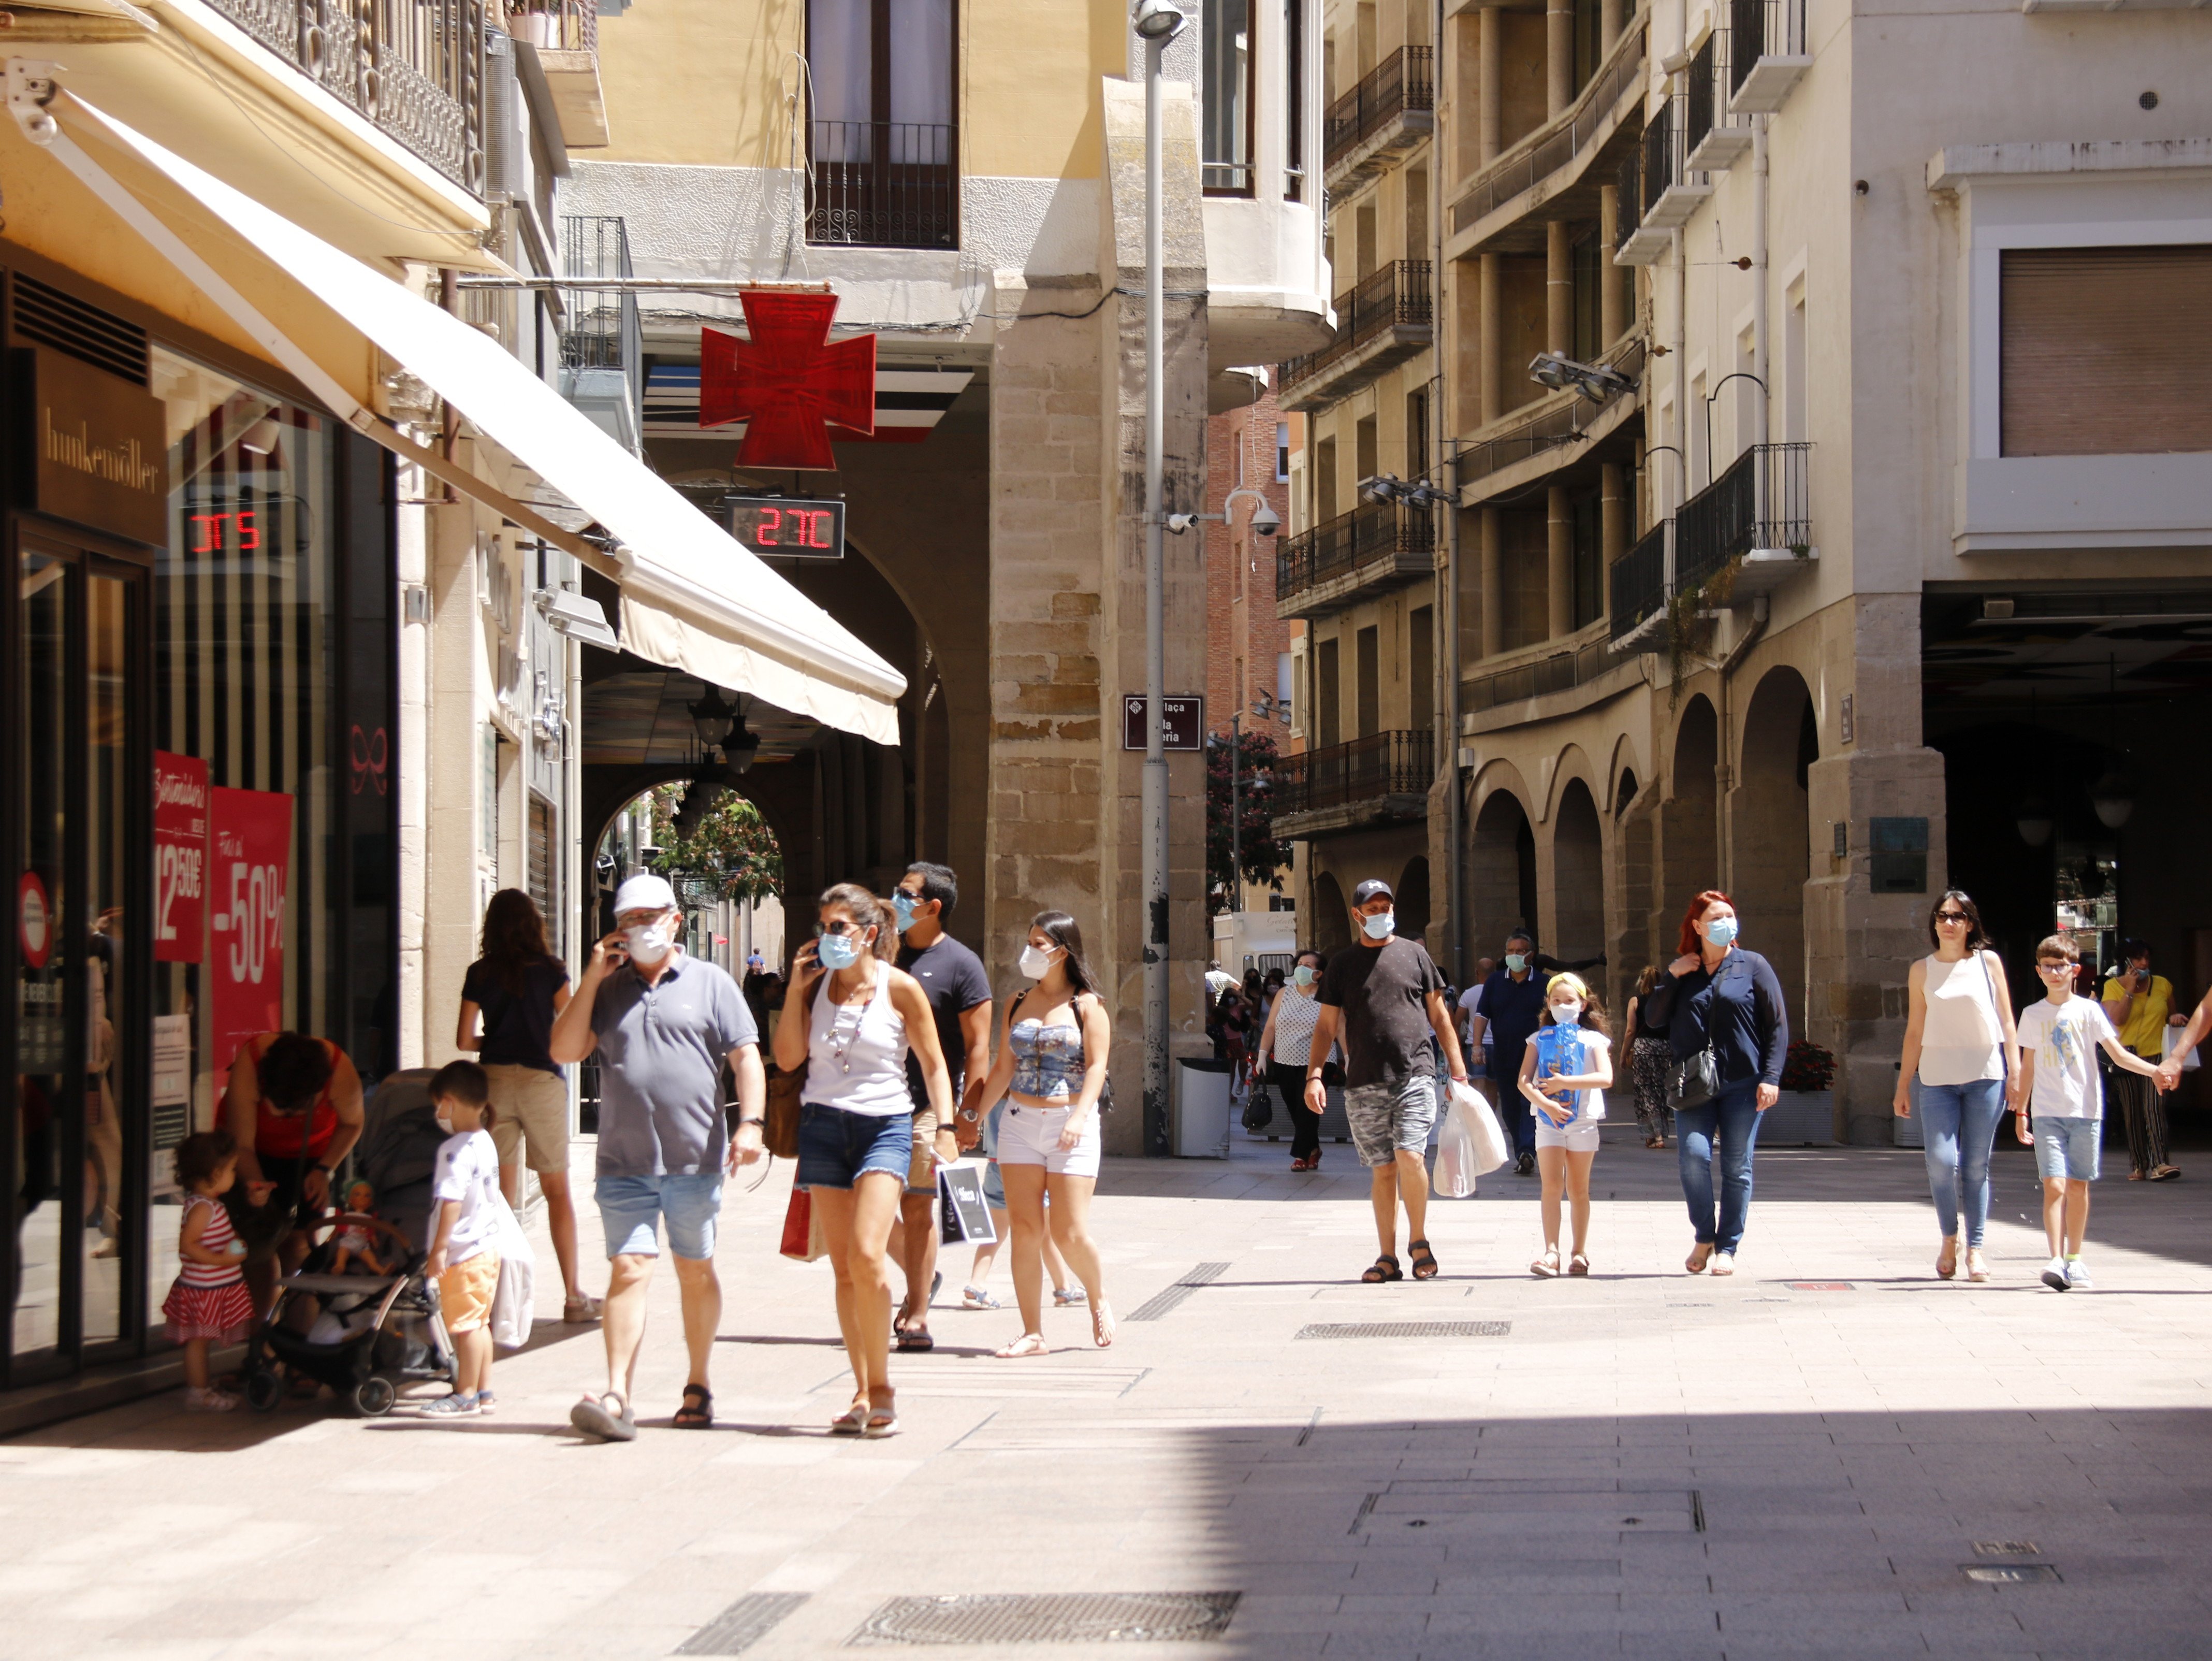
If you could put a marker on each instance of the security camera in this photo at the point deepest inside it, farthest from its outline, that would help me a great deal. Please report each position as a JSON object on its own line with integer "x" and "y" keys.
{"x": 1594, "y": 381}
{"x": 1265, "y": 521}
{"x": 1158, "y": 20}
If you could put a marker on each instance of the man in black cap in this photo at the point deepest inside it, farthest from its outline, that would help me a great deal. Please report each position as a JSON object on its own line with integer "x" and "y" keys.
{"x": 1385, "y": 999}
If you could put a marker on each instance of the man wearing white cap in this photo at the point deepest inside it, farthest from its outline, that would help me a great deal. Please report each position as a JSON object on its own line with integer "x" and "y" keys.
{"x": 661, "y": 1022}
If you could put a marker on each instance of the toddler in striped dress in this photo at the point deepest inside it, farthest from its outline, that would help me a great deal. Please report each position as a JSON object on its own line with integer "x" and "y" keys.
{"x": 209, "y": 1302}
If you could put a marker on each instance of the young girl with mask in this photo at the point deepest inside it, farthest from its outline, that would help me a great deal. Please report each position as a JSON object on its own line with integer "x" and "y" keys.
{"x": 1566, "y": 1068}
{"x": 1052, "y": 1068}
{"x": 1287, "y": 1044}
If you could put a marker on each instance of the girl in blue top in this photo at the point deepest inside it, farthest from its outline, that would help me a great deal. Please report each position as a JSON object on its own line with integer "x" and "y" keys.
{"x": 1566, "y": 1068}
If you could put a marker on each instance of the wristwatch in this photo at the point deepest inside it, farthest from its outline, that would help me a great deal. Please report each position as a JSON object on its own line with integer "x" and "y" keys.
{"x": 969, "y": 1115}
{"x": 741, "y": 1123}
{"x": 325, "y": 1169}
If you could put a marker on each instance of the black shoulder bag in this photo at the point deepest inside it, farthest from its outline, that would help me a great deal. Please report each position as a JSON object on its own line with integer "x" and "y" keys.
{"x": 1698, "y": 1077}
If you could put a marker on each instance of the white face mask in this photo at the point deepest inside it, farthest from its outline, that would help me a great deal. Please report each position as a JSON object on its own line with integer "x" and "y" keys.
{"x": 1036, "y": 962}
{"x": 1378, "y": 926}
{"x": 1567, "y": 1013}
{"x": 446, "y": 1123}
{"x": 648, "y": 943}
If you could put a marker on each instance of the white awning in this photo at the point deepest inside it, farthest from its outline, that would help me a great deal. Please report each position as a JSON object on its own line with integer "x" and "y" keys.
{"x": 694, "y": 598}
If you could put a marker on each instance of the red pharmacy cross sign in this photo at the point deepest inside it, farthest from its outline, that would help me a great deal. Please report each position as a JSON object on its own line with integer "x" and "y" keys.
{"x": 787, "y": 383}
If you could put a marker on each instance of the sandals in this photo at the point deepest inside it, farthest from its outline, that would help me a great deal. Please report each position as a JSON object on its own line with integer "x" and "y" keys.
{"x": 1976, "y": 1268}
{"x": 1069, "y": 1296}
{"x": 879, "y": 1423}
{"x": 1578, "y": 1264}
{"x": 1700, "y": 1254}
{"x": 1424, "y": 1261}
{"x": 1946, "y": 1260}
{"x": 1724, "y": 1263}
{"x": 1384, "y": 1268}
{"x": 913, "y": 1341}
{"x": 976, "y": 1297}
{"x": 2165, "y": 1174}
{"x": 1301, "y": 1163}
{"x": 1101, "y": 1324}
{"x": 697, "y": 1412}
{"x": 591, "y": 1416}
{"x": 1030, "y": 1343}
{"x": 1546, "y": 1267}
{"x": 578, "y": 1311}
{"x": 852, "y": 1422}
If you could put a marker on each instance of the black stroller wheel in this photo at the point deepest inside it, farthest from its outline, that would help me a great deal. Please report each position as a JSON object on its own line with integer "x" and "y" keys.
{"x": 373, "y": 1396}
{"x": 264, "y": 1389}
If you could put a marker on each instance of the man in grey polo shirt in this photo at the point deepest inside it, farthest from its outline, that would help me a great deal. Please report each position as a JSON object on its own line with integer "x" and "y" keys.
{"x": 661, "y": 1024}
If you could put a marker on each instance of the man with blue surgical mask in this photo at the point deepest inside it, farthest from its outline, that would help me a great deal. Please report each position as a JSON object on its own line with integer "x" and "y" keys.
{"x": 1384, "y": 998}
{"x": 661, "y": 1022}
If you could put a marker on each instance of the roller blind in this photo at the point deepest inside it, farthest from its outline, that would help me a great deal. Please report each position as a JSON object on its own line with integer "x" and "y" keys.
{"x": 2106, "y": 351}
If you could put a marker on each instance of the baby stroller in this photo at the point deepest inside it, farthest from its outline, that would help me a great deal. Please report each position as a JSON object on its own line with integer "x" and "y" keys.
{"x": 365, "y": 1335}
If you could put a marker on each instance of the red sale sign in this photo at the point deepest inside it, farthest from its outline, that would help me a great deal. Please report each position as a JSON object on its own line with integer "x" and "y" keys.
{"x": 249, "y": 867}
{"x": 181, "y": 844}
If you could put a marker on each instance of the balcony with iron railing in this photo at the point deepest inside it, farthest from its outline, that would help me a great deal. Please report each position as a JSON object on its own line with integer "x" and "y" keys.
{"x": 1744, "y": 534}
{"x": 1637, "y": 582}
{"x": 884, "y": 185}
{"x": 1382, "y": 322}
{"x": 602, "y": 346}
{"x": 1716, "y": 140}
{"x": 1373, "y": 550}
{"x": 1668, "y": 189}
{"x": 1391, "y": 110}
{"x": 1555, "y": 172}
{"x": 1562, "y": 422}
{"x": 1768, "y": 54}
{"x": 1380, "y": 779}
{"x": 566, "y": 34}
{"x": 414, "y": 69}
{"x": 1581, "y": 660}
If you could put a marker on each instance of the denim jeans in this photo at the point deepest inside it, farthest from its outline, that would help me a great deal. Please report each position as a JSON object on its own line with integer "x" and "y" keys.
{"x": 1959, "y": 1125}
{"x": 1514, "y": 1117}
{"x": 1732, "y": 1118}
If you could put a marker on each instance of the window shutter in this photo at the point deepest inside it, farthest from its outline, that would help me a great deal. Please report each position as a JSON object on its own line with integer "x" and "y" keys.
{"x": 2106, "y": 351}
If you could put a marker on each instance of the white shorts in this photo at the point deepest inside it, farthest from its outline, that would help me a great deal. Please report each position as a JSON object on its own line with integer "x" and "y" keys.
{"x": 1576, "y": 1136}
{"x": 1030, "y": 1135}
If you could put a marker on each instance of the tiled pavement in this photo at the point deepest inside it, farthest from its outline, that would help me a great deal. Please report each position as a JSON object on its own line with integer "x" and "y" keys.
{"x": 1803, "y": 1460}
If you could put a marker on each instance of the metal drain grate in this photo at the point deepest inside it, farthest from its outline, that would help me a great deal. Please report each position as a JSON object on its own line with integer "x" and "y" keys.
{"x": 1106, "y": 1617}
{"x": 2008, "y": 1574}
{"x": 1407, "y": 1330}
{"x": 1153, "y": 1307}
{"x": 742, "y": 1625}
{"x": 2004, "y": 1547}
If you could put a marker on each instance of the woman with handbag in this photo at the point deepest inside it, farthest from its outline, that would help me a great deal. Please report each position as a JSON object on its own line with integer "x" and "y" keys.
{"x": 1724, "y": 1012}
{"x": 1650, "y": 1059}
{"x": 1052, "y": 1070}
{"x": 1286, "y": 1044}
{"x": 1960, "y": 1044}
{"x": 849, "y": 1021}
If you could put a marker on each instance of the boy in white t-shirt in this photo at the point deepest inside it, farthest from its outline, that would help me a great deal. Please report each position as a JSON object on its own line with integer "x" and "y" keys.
{"x": 2059, "y": 1090}
{"x": 466, "y": 1185}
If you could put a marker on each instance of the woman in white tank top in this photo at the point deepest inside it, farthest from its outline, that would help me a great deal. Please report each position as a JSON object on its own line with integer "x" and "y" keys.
{"x": 848, "y": 1021}
{"x": 1959, "y": 1047}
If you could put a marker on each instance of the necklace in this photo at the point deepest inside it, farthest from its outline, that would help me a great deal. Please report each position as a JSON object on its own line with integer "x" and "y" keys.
{"x": 842, "y": 1037}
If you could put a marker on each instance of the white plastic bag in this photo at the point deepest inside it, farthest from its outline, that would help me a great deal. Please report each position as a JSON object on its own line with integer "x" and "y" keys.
{"x": 513, "y": 1304}
{"x": 1492, "y": 1147}
{"x": 2189, "y": 1062}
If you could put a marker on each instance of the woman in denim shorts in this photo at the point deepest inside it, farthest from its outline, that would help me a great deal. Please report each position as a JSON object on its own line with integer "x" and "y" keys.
{"x": 849, "y": 1020}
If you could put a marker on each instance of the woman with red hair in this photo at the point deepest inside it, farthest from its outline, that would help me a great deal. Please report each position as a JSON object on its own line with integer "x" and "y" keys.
{"x": 1723, "y": 1010}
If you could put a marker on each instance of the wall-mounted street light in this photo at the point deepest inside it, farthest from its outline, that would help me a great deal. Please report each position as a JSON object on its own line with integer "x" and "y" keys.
{"x": 1598, "y": 382}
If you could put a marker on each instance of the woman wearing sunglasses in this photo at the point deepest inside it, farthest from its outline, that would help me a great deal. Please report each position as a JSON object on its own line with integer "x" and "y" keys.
{"x": 1960, "y": 1045}
{"x": 849, "y": 1020}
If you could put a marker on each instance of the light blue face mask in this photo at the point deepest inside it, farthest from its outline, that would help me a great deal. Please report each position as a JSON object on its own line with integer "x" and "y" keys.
{"x": 1515, "y": 962}
{"x": 1303, "y": 974}
{"x": 837, "y": 952}
{"x": 902, "y": 905}
{"x": 1721, "y": 931}
{"x": 1379, "y": 927}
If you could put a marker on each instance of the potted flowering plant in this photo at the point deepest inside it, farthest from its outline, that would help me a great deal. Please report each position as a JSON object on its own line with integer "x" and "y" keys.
{"x": 1806, "y": 1113}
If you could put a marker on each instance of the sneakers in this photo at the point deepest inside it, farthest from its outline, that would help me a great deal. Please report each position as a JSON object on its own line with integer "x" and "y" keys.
{"x": 1525, "y": 1165}
{"x": 456, "y": 1406}
{"x": 2077, "y": 1274}
{"x": 2054, "y": 1274}
{"x": 209, "y": 1400}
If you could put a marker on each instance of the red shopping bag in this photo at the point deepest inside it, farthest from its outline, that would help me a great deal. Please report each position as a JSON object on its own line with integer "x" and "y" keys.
{"x": 797, "y": 1219}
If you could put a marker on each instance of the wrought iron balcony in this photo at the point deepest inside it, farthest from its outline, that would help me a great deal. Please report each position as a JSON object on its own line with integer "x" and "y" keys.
{"x": 1767, "y": 53}
{"x": 603, "y": 348}
{"x": 1715, "y": 138}
{"x": 1383, "y": 322}
{"x": 885, "y": 185}
{"x": 1355, "y": 555}
{"x": 1392, "y": 109}
{"x": 1638, "y": 583}
{"x": 1669, "y": 190}
{"x": 414, "y": 68}
{"x": 1561, "y": 672}
{"x": 1382, "y": 776}
{"x": 1761, "y": 506}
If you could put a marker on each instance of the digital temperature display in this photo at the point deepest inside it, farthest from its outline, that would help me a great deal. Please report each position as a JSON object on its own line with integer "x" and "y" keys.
{"x": 782, "y": 527}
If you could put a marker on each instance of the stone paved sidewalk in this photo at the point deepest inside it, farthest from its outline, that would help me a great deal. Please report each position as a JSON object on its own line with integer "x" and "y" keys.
{"x": 1805, "y": 1461}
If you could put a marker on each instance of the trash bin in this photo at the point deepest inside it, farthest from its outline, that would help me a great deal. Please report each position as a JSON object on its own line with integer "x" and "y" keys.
{"x": 1202, "y": 1108}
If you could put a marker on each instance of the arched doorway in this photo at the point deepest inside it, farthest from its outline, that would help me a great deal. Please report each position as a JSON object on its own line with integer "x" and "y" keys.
{"x": 1502, "y": 874}
{"x": 1577, "y": 874}
{"x": 1331, "y": 917}
{"x": 1412, "y": 900}
{"x": 1769, "y": 834}
{"x": 1689, "y": 826}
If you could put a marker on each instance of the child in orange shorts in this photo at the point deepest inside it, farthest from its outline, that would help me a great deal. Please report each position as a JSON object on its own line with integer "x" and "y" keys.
{"x": 465, "y": 1186}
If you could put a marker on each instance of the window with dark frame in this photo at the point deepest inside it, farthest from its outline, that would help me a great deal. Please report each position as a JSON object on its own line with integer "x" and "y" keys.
{"x": 1226, "y": 64}
{"x": 1294, "y": 106}
{"x": 883, "y": 148}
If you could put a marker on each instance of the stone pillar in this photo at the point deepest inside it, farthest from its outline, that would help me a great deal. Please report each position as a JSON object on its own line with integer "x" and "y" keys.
{"x": 1494, "y": 607}
{"x": 1608, "y": 24}
{"x": 453, "y": 751}
{"x": 1559, "y": 564}
{"x": 1559, "y": 56}
{"x": 1559, "y": 288}
{"x": 1489, "y": 77}
{"x": 1616, "y": 514}
{"x": 1612, "y": 280}
{"x": 1489, "y": 371}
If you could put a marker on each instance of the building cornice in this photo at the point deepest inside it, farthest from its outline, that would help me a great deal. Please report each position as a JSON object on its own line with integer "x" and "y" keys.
{"x": 1960, "y": 164}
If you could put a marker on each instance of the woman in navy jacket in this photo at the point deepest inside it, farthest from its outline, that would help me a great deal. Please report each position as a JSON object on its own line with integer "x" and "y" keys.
{"x": 1717, "y": 993}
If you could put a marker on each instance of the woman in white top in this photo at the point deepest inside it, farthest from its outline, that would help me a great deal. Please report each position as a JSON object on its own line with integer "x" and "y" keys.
{"x": 850, "y": 1018}
{"x": 1052, "y": 1070}
{"x": 1960, "y": 1044}
{"x": 1286, "y": 1042}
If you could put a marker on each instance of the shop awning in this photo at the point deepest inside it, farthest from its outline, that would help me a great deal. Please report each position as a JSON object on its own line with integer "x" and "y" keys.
{"x": 694, "y": 598}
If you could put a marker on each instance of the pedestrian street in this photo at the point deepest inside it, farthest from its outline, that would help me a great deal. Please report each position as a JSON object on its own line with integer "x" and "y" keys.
{"x": 1832, "y": 1454}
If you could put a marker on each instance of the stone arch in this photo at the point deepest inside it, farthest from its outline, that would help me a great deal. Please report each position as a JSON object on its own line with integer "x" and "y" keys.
{"x": 1413, "y": 904}
{"x": 1624, "y": 791}
{"x": 1624, "y": 760}
{"x": 1332, "y": 915}
{"x": 1573, "y": 762}
{"x": 1770, "y": 835}
{"x": 1689, "y": 821}
{"x": 1577, "y": 875}
{"x": 1502, "y": 868}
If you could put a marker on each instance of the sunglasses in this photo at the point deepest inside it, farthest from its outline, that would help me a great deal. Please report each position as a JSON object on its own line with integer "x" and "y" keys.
{"x": 1951, "y": 916}
{"x": 839, "y": 926}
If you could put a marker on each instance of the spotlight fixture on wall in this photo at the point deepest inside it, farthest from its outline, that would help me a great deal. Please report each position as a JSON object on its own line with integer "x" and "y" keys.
{"x": 1388, "y": 487}
{"x": 1595, "y": 382}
